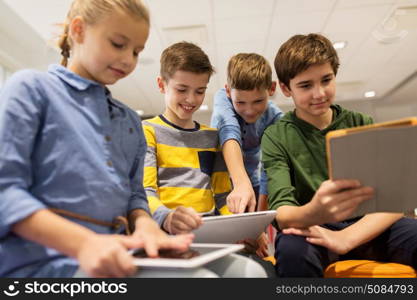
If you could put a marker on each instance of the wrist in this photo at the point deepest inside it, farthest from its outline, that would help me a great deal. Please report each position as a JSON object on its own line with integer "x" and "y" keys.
{"x": 134, "y": 216}
{"x": 166, "y": 225}
{"x": 241, "y": 183}
{"x": 311, "y": 214}
{"x": 83, "y": 240}
{"x": 350, "y": 241}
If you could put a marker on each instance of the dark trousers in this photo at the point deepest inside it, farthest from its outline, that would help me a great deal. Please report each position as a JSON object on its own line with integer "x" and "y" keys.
{"x": 298, "y": 258}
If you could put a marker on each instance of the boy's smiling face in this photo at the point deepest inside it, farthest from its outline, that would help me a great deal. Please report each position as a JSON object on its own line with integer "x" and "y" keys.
{"x": 313, "y": 91}
{"x": 250, "y": 105}
{"x": 184, "y": 94}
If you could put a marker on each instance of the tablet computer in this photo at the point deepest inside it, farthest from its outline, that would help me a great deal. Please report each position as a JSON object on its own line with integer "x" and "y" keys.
{"x": 196, "y": 256}
{"x": 229, "y": 229}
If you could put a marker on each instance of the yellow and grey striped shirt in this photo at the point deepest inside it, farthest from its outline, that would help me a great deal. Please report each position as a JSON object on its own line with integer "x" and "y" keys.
{"x": 183, "y": 167}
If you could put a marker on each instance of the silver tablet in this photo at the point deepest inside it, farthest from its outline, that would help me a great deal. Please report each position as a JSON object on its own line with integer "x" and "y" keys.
{"x": 196, "y": 256}
{"x": 230, "y": 229}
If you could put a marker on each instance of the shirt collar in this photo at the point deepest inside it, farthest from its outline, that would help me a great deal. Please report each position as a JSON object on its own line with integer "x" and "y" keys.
{"x": 306, "y": 125}
{"x": 71, "y": 78}
{"x": 78, "y": 82}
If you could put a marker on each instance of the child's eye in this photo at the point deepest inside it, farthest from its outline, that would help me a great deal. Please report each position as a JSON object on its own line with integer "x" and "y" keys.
{"x": 116, "y": 45}
{"x": 306, "y": 86}
{"x": 200, "y": 92}
{"x": 181, "y": 91}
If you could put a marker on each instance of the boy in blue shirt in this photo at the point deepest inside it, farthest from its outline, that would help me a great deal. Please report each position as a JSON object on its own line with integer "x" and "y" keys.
{"x": 241, "y": 113}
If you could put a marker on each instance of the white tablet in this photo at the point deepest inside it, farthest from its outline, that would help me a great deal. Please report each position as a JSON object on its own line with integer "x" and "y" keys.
{"x": 196, "y": 256}
{"x": 229, "y": 229}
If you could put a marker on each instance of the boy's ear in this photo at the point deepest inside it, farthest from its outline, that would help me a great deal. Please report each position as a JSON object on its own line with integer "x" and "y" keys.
{"x": 77, "y": 29}
{"x": 161, "y": 84}
{"x": 228, "y": 91}
{"x": 272, "y": 89}
{"x": 285, "y": 90}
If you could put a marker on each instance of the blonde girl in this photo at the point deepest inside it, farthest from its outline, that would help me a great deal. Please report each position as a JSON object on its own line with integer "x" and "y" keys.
{"x": 71, "y": 156}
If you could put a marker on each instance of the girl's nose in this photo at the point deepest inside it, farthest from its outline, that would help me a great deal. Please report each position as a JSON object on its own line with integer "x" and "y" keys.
{"x": 129, "y": 59}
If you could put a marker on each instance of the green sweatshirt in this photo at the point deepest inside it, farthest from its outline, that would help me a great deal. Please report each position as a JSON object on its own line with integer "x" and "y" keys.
{"x": 294, "y": 156}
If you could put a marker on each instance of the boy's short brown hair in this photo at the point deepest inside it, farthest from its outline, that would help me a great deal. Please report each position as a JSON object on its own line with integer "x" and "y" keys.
{"x": 302, "y": 51}
{"x": 184, "y": 56}
{"x": 248, "y": 71}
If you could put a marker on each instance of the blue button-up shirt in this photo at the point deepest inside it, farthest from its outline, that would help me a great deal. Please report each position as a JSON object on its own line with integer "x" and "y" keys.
{"x": 64, "y": 143}
{"x": 232, "y": 126}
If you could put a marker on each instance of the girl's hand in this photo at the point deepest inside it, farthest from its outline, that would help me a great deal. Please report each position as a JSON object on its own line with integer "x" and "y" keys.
{"x": 106, "y": 255}
{"x": 152, "y": 238}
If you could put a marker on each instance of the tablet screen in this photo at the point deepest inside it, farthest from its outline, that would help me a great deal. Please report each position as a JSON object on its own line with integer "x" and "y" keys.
{"x": 168, "y": 253}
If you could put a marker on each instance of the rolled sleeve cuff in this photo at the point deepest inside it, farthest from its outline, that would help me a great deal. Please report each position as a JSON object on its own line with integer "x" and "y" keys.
{"x": 14, "y": 207}
{"x": 139, "y": 202}
{"x": 230, "y": 132}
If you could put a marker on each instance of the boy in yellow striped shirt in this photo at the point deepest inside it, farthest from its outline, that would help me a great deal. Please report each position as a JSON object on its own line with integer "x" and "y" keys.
{"x": 185, "y": 175}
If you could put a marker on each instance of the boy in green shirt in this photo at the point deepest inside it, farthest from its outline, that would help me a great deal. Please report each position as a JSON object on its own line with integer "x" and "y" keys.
{"x": 312, "y": 211}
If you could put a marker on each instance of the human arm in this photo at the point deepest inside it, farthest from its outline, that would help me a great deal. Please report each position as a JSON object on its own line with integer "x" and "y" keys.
{"x": 272, "y": 114}
{"x": 334, "y": 201}
{"x": 182, "y": 220}
{"x": 258, "y": 246}
{"x": 24, "y": 135}
{"x": 148, "y": 232}
{"x": 150, "y": 176}
{"x": 185, "y": 219}
{"x": 277, "y": 166}
{"x": 242, "y": 195}
{"x": 98, "y": 255}
{"x": 174, "y": 221}
{"x": 343, "y": 241}
{"x": 302, "y": 207}
{"x": 224, "y": 118}
{"x": 220, "y": 184}
{"x": 263, "y": 192}
{"x": 262, "y": 202}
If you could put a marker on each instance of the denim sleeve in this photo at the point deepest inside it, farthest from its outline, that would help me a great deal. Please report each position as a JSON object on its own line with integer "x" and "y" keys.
{"x": 263, "y": 188}
{"x": 138, "y": 198}
{"x": 160, "y": 214}
{"x": 20, "y": 122}
{"x": 224, "y": 119}
{"x": 275, "y": 113}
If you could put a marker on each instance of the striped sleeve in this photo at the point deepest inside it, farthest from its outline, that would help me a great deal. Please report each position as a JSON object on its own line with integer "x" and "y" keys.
{"x": 220, "y": 183}
{"x": 150, "y": 177}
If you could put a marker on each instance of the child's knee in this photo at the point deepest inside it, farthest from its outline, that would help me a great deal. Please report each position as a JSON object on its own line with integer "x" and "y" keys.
{"x": 296, "y": 257}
